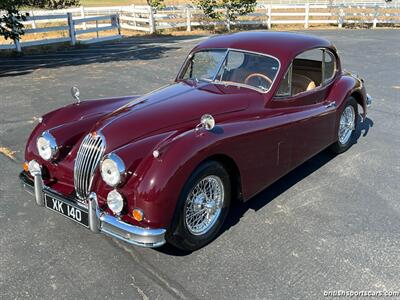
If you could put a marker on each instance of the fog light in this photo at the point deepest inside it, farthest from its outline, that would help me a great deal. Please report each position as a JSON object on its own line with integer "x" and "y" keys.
{"x": 115, "y": 201}
{"x": 26, "y": 166}
{"x": 137, "y": 214}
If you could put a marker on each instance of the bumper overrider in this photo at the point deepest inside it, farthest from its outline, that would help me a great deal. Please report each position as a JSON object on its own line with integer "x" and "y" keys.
{"x": 99, "y": 221}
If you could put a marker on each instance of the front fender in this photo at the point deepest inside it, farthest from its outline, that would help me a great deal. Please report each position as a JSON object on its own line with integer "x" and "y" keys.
{"x": 157, "y": 182}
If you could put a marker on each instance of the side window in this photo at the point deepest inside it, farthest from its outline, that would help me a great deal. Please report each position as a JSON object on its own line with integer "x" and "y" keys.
{"x": 329, "y": 66}
{"x": 284, "y": 89}
{"x": 308, "y": 71}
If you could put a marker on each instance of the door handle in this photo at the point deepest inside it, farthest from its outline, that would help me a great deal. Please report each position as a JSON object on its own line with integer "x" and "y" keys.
{"x": 330, "y": 104}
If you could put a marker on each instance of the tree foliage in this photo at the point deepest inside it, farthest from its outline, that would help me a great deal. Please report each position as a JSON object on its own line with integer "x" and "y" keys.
{"x": 10, "y": 22}
{"x": 155, "y": 3}
{"x": 233, "y": 8}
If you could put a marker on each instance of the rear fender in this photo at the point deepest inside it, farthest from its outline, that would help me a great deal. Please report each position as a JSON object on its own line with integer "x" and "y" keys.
{"x": 346, "y": 86}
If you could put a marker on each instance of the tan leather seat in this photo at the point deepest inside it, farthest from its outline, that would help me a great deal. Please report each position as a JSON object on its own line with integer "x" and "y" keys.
{"x": 301, "y": 83}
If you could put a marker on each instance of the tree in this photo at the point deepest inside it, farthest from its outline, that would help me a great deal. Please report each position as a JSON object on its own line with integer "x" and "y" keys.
{"x": 155, "y": 3}
{"x": 10, "y": 23}
{"x": 233, "y": 9}
{"x": 11, "y": 26}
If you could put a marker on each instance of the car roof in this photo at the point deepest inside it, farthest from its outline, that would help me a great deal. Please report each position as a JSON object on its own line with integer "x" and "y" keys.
{"x": 282, "y": 45}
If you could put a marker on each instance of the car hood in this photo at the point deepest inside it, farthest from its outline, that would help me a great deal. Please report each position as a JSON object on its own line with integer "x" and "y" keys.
{"x": 169, "y": 108}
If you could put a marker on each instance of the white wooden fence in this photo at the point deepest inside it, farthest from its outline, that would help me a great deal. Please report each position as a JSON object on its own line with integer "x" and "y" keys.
{"x": 69, "y": 27}
{"x": 83, "y": 20}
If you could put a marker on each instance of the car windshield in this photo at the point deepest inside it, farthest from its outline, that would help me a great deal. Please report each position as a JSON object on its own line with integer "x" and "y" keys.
{"x": 232, "y": 67}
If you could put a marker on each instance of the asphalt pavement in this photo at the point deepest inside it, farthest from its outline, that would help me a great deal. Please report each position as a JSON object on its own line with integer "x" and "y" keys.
{"x": 331, "y": 224}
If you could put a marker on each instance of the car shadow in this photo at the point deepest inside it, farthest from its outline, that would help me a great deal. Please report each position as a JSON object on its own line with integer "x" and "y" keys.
{"x": 123, "y": 50}
{"x": 239, "y": 209}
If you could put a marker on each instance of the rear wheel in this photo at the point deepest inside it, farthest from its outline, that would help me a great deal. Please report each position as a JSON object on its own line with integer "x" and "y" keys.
{"x": 347, "y": 127}
{"x": 202, "y": 207}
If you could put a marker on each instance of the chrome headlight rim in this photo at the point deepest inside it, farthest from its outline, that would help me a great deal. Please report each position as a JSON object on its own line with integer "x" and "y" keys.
{"x": 115, "y": 202}
{"x": 54, "y": 149}
{"x": 120, "y": 166}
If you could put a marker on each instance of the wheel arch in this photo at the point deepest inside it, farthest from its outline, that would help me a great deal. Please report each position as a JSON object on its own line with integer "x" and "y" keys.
{"x": 359, "y": 98}
{"x": 233, "y": 170}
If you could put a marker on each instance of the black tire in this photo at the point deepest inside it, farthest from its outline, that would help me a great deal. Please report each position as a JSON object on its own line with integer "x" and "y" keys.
{"x": 178, "y": 233}
{"x": 339, "y": 147}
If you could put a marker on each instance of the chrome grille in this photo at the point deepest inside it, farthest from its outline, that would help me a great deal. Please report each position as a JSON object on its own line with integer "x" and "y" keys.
{"x": 87, "y": 160}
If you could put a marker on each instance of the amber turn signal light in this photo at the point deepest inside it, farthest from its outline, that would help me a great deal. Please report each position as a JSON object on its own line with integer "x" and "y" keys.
{"x": 26, "y": 167}
{"x": 137, "y": 214}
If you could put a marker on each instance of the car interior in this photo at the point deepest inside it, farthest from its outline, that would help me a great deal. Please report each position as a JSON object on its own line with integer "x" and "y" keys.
{"x": 307, "y": 72}
{"x": 306, "y": 75}
{"x": 254, "y": 70}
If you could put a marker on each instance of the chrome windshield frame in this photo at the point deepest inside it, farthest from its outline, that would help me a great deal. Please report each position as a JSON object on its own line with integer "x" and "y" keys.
{"x": 183, "y": 69}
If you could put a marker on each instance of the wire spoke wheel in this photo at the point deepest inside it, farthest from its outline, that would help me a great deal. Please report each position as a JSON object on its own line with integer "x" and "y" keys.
{"x": 347, "y": 124}
{"x": 204, "y": 204}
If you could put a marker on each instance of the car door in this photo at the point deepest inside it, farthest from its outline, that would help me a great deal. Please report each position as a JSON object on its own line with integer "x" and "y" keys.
{"x": 305, "y": 103}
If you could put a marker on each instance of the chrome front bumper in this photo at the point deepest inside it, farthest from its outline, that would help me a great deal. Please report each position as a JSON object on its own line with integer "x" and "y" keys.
{"x": 100, "y": 221}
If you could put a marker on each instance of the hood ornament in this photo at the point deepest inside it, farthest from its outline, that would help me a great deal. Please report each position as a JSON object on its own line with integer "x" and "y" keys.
{"x": 75, "y": 94}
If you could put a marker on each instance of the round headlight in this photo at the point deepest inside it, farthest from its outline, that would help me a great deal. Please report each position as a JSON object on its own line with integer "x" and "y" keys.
{"x": 115, "y": 201}
{"x": 112, "y": 170}
{"x": 47, "y": 146}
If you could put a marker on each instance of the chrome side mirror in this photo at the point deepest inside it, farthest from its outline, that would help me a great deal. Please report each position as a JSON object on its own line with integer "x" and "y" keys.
{"x": 207, "y": 122}
{"x": 75, "y": 93}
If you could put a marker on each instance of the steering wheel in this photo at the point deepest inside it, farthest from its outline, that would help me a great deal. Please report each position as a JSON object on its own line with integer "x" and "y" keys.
{"x": 265, "y": 77}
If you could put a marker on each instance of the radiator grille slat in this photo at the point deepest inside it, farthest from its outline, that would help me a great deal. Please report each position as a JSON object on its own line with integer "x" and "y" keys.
{"x": 87, "y": 160}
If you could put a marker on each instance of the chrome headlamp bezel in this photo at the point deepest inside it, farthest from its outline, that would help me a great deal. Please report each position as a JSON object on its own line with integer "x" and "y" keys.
{"x": 119, "y": 166}
{"x": 54, "y": 150}
{"x": 115, "y": 202}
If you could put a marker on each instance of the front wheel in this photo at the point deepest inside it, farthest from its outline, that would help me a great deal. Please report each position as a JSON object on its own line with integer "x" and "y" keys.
{"x": 202, "y": 207}
{"x": 347, "y": 127}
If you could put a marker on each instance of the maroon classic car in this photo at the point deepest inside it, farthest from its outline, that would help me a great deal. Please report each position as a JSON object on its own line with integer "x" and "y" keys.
{"x": 244, "y": 110}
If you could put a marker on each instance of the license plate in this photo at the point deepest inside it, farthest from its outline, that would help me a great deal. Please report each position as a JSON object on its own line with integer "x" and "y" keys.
{"x": 68, "y": 210}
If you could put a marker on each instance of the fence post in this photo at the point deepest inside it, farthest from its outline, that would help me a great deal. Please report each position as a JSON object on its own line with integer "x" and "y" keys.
{"x": 33, "y": 22}
{"x": 134, "y": 14}
{"x": 118, "y": 24}
{"x": 269, "y": 13}
{"x": 376, "y": 14}
{"x": 341, "y": 18}
{"x": 306, "y": 15}
{"x": 228, "y": 21}
{"x": 152, "y": 22}
{"x": 188, "y": 19}
{"x": 83, "y": 16}
{"x": 71, "y": 26}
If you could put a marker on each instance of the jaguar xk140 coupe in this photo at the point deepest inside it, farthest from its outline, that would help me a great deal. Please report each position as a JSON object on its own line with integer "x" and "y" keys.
{"x": 244, "y": 110}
